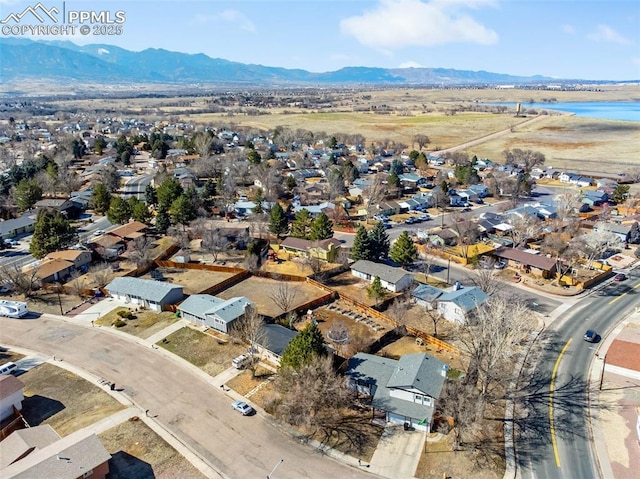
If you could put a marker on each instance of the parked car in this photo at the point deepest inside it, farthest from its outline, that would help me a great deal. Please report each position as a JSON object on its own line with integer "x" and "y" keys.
{"x": 410, "y": 221}
{"x": 98, "y": 232}
{"x": 590, "y": 336}
{"x": 620, "y": 277}
{"x": 499, "y": 264}
{"x": 242, "y": 407}
{"x": 424, "y": 217}
{"x": 11, "y": 242}
{"x": 479, "y": 201}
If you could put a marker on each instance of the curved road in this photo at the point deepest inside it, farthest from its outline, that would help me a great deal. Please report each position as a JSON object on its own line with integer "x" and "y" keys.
{"x": 553, "y": 440}
{"x": 185, "y": 404}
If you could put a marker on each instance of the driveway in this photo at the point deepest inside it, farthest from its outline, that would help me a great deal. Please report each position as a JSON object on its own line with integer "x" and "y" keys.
{"x": 187, "y": 406}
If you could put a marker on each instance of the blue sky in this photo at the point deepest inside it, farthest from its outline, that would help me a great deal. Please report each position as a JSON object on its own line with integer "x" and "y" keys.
{"x": 588, "y": 39}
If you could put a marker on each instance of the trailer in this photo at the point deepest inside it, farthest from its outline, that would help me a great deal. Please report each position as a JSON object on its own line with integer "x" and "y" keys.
{"x": 13, "y": 309}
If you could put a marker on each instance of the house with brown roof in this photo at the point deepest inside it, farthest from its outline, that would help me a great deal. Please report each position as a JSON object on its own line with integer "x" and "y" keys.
{"x": 107, "y": 246}
{"x": 326, "y": 250}
{"x": 81, "y": 259}
{"x": 129, "y": 231}
{"x": 529, "y": 261}
{"x": 39, "y": 452}
{"x": 60, "y": 265}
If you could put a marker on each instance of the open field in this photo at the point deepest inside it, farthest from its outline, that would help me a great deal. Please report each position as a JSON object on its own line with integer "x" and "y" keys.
{"x": 258, "y": 291}
{"x": 139, "y": 452}
{"x": 202, "y": 350}
{"x": 63, "y": 400}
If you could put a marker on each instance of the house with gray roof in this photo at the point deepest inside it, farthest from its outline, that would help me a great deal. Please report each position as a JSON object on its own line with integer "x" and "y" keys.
{"x": 145, "y": 292}
{"x": 406, "y": 389}
{"x": 457, "y": 304}
{"x": 393, "y": 279}
{"x": 215, "y": 313}
{"x": 425, "y": 295}
{"x": 272, "y": 342}
{"x": 11, "y": 228}
{"x": 39, "y": 452}
{"x": 621, "y": 231}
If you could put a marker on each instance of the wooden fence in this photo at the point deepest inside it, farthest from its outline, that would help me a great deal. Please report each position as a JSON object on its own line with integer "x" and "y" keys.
{"x": 198, "y": 266}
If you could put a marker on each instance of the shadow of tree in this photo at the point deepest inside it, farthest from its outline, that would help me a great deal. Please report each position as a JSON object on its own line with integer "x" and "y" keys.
{"x": 123, "y": 465}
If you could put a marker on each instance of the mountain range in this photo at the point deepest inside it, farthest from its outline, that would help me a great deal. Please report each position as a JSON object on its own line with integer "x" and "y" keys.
{"x": 109, "y": 64}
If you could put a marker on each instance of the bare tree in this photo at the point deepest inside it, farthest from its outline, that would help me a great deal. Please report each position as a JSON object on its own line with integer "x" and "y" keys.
{"x": 526, "y": 159}
{"x": 180, "y": 236}
{"x": 595, "y": 244}
{"x": 467, "y": 231}
{"x": 374, "y": 194}
{"x": 568, "y": 204}
{"x": 24, "y": 282}
{"x": 140, "y": 251}
{"x": 398, "y": 309}
{"x": 214, "y": 243}
{"x": 421, "y": 141}
{"x": 283, "y": 294}
{"x": 202, "y": 143}
{"x": 524, "y": 228}
{"x": 250, "y": 329}
{"x": 486, "y": 280}
{"x": 101, "y": 274}
{"x": 77, "y": 285}
{"x": 491, "y": 337}
{"x": 460, "y": 401}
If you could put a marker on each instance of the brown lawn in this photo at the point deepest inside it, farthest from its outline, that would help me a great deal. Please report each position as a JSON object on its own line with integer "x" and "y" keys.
{"x": 258, "y": 291}
{"x": 212, "y": 355}
{"x": 360, "y": 334}
{"x": 139, "y": 452}
{"x": 67, "y": 402}
{"x": 408, "y": 345}
{"x": 145, "y": 324}
{"x": 245, "y": 381}
{"x": 193, "y": 281}
{"x": 347, "y": 284}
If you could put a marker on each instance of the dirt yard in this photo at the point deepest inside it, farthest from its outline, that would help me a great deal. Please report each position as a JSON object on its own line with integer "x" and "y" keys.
{"x": 258, "y": 291}
{"x": 355, "y": 288}
{"x": 145, "y": 324}
{"x": 208, "y": 353}
{"x": 67, "y": 402}
{"x": 49, "y": 303}
{"x": 193, "y": 281}
{"x": 408, "y": 345}
{"x": 139, "y": 452}
{"x": 7, "y": 356}
{"x": 245, "y": 381}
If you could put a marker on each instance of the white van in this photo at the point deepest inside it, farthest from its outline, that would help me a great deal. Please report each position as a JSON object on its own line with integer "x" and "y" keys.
{"x": 8, "y": 368}
{"x": 241, "y": 361}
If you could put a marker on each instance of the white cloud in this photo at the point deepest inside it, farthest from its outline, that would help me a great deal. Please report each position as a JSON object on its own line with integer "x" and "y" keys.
{"x": 228, "y": 16}
{"x": 410, "y": 64}
{"x": 604, "y": 33}
{"x": 568, "y": 29}
{"x": 393, "y": 24}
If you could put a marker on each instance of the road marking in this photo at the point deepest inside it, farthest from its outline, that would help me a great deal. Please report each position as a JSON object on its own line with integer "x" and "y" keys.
{"x": 551, "y": 386}
{"x": 623, "y": 294}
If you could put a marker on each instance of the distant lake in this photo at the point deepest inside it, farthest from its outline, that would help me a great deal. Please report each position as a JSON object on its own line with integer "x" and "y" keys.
{"x": 612, "y": 110}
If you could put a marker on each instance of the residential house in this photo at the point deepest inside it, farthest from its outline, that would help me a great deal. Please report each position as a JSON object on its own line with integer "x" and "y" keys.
{"x": 406, "y": 390}
{"x": 129, "y": 231}
{"x": 326, "y": 250}
{"x": 107, "y": 246}
{"x": 468, "y": 195}
{"x": 456, "y": 305}
{"x": 326, "y": 208}
{"x": 62, "y": 205}
{"x": 393, "y": 279}
{"x": 425, "y": 295}
{"x": 147, "y": 293}
{"x": 212, "y": 312}
{"x": 11, "y": 396}
{"x": 14, "y": 227}
{"x": 530, "y": 261}
{"x": 39, "y": 452}
{"x": 245, "y": 208}
{"x": 621, "y": 231}
{"x": 408, "y": 205}
{"x": 81, "y": 199}
{"x": 60, "y": 265}
{"x": 80, "y": 259}
{"x": 273, "y": 340}
{"x": 595, "y": 198}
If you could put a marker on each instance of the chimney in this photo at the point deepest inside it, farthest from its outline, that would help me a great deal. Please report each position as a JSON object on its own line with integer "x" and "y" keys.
{"x": 457, "y": 286}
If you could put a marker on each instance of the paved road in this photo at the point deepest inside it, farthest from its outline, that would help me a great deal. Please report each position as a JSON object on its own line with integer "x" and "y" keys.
{"x": 136, "y": 186}
{"x": 563, "y": 416}
{"x": 186, "y": 405}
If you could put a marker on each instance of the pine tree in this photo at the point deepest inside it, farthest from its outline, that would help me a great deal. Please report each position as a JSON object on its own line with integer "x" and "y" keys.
{"x": 361, "y": 248}
{"x": 403, "y": 251}
{"x": 278, "y": 223}
{"x": 27, "y": 194}
{"x": 52, "y": 232}
{"x": 182, "y": 210}
{"x": 162, "y": 221}
{"x": 321, "y": 228}
{"x": 301, "y": 224}
{"x": 376, "y": 291}
{"x": 303, "y": 348}
{"x": 119, "y": 211}
{"x": 379, "y": 240}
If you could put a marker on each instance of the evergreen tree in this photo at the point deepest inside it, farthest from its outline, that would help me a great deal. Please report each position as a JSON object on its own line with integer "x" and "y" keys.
{"x": 254, "y": 157}
{"x": 119, "y": 211}
{"x": 100, "y": 199}
{"x": 379, "y": 240}
{"x": 301, "y": 224}
{"x": 278, "y": 223}
{"x": 168, "y": 192}
{"x": 290, "y": 182}
{"x": 620, "y": 194}
{"x": 376, "y": 291}
{"x": 27, "y": 194}
{"x": 162, "y": 221}
{"x": 321, "y": 228}
{"x": 182, "y": 210}
{"x": 392, "y": 180}
{"x": 303, "y": 348}
{"x": 397, "y": 167}
{"x": 361, "y": 245}
{"x": 150, "y": 195}
{"x": 259, "y": 198}
{"x": 140, "y": 211}
{"x": 52, "y": 232}
{"x": 403, "y": 251}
